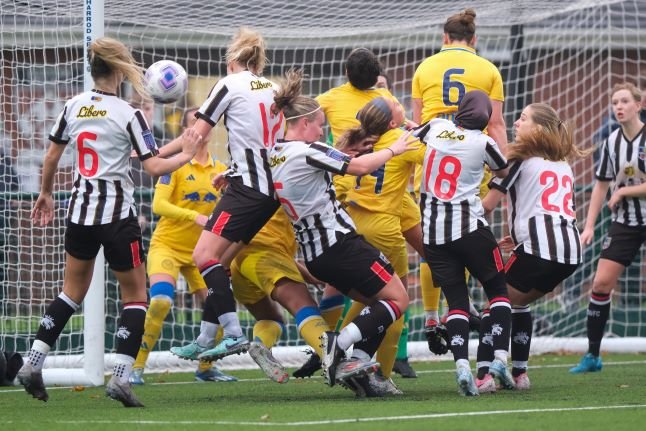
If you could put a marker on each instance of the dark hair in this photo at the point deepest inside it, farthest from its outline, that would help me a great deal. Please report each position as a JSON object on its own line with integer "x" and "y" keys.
{"x": 375, "y": 120}
{"x": 290, "y": 101}
{"x": 461, "y": 26}
{"x": 362, "y": 68}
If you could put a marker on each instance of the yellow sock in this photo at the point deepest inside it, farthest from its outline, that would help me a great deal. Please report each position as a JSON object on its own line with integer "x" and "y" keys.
{"x": 430, "y": 293}
{"x": 219, "y": 335}
{"x": 311, "y": 331}
{"x": 332, "y": 309}
{"x": 387, "y": 351}
{"x": 157, "y": 312}
{"x": 268, "y": 332}
{"x": 353, "y": 312}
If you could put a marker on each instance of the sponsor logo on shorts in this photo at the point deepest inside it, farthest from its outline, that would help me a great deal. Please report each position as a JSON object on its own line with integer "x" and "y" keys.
{"x": 606, "y": 243}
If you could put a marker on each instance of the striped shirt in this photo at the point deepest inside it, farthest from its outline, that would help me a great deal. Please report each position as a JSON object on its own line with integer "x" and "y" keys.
{"x": 302, "y": 177}
{"x": 624, "y": 162}
{"x": 104, "y": 129}
{"x": 541, "y": 209}
{"x": 245, "y": 101}
{"x": 452, "y": 172}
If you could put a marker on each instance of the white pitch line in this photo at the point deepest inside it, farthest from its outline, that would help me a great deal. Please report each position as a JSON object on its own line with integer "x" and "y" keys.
{"x": 352, "y": 420}
{"x": 450, "y": 370}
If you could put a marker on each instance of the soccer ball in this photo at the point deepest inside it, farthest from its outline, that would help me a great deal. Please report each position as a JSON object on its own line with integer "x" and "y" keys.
{"x": 166, "y": 81}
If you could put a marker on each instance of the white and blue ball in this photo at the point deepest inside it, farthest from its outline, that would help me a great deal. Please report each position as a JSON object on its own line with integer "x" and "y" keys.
{"x": 166, "y": 81}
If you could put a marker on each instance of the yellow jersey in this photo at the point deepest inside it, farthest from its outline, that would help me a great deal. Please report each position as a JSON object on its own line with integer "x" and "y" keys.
{"x": 382, "y": 190}
{"x": 442, "y": 80}
{"x": 179, "y": 198}
{"x": 341, "y": 105}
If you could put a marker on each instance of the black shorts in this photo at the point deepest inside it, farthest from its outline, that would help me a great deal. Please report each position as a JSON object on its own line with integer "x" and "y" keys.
{"x": 622, "y": 243}
{"x": 525, "y": 272}
{"x": 352, "y": 263}
{"x": 241, "y": 212}
{"x": 121, "y": 241}
{"x": 477, "y": 251}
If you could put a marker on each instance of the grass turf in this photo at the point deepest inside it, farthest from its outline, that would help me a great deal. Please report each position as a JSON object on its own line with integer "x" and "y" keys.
{"x": 614, "y": 399}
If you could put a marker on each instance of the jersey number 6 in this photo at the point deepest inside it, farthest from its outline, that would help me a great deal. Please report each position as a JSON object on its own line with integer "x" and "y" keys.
{"x": 87, "y": 152}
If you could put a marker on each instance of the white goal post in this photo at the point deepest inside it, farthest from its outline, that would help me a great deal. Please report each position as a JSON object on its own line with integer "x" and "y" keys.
{"x": 568, "y": 54}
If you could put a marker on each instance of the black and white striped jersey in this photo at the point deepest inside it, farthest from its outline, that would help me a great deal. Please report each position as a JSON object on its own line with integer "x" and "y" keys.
{"x": 541, "y": 209}
{"x": 104, "y": 129}
{"x": 302, "y": 174}
{"x": 245, "y": 101}
{"x": 452, "y": 172}
{"x": 624, "y": 162}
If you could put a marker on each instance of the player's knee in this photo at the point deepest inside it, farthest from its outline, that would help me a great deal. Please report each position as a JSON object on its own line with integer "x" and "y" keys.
{"x": 496, "y": 287}
{"x": 603, "y": 284}
{"x": 162, "y": 289}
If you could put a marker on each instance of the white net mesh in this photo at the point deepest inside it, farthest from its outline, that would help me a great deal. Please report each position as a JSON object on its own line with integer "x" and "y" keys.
{"x": 568, "y": 54}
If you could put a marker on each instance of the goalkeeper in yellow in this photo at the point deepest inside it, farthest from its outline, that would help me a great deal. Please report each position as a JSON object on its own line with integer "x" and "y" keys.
{"x": 183, "y": 200}
{"x": 439, "y": 84}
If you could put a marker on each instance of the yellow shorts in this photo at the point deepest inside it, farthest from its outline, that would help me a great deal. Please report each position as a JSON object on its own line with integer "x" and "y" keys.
{"x": 410, "y": 216}
{"x": 384, "y": 232}
{"x": 256, "y": 270}
{"x": 164, "y": 260}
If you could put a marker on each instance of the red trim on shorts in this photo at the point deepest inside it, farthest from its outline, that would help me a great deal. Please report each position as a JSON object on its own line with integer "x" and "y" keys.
{"x": 499, "y": 299}
{"x": 510, "y": 262}
{"x": 396, "y": 311}
{"x": 220, "y": 223}
{"x": 136, "y": 256}
{"x": 135, "y": 304}
{"x": 381, "y": 272}
{"x": 497, "y": 257}
{"x": 209, "y": 264}
{"x": 485, "y": 312}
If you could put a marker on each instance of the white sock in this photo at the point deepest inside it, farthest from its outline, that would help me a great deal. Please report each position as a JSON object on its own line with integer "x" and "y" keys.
{"x": 207, "y": 335}
{"x": 462, "y": 363}
{"x": 432, "y": 315}
{"x": 37, "y": 354}
{"x": 348, "y": 336}
{"x": 122, "y": 367}
{"x": 230, "y": 324}
{"x": 501, "y": 355}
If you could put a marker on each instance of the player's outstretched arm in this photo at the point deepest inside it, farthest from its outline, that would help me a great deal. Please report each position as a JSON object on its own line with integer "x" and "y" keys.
{"x": 156, "y": 166}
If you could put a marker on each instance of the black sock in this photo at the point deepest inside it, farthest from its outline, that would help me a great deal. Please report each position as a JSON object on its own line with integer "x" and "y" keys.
{"x": 485, "y": 346}
{"x": 130, "y": 328}
{"x": 457, "y": 325}
{"x": 220, "y": 298}
{"x": 371, "y": 344}
{"x": 598, "y": 312}
{"x": 500, "y": 315}
{"x": 521, "y": 339}
{"x": 375, "y": 319}
{"x": 56, "y": 316}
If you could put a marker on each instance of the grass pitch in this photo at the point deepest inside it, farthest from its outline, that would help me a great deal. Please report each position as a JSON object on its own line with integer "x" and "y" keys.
{"x": 614, "y": 399}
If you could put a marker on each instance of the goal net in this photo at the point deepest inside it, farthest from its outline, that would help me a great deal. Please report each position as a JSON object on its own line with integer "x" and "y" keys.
{"x": 568, "y": 54}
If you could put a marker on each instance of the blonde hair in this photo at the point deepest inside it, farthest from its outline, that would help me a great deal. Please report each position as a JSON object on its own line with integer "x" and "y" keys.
{"x": 461, "y": 26}
{"x": 107, "y": 56}
{"x": 632, "y": 88}
{"x": 247, "y": 48}
{"x": 291, "y": 102}
{"x": 374, "y": 119}
{"x": 551, "y": 139}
